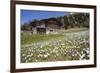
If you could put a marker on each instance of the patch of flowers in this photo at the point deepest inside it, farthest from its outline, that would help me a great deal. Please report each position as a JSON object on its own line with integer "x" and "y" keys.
{"x": 74, "y": 46}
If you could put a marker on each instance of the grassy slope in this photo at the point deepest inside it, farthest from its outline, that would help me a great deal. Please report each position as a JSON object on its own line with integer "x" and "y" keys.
{"x": 59, "y": 54}
{"x": 26, "y": 38}
{"x": 74, "y": 30}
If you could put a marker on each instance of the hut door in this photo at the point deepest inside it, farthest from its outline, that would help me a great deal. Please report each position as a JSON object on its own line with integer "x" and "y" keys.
{"x": 41, "y": 30}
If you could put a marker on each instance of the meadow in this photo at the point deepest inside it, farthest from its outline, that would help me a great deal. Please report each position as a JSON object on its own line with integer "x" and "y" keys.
{"x": 66, "y": 46}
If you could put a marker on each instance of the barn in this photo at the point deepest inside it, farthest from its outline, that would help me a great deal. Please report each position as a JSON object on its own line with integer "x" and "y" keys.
{"x": 47, "y": 26}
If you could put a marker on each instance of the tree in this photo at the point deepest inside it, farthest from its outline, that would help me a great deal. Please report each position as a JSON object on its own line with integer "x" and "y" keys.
{"x": 66, "y": 23}
{"x": 33, "y": 23}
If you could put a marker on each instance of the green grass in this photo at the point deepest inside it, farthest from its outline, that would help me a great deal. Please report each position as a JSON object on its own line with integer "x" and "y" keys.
{"x": 75, "y": 30}
{"x": 28, "y": 39}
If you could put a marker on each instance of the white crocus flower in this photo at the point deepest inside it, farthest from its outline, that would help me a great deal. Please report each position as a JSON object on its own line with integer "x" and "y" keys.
{"x": 23, "y": 54}
{"x": 45, "y": 56}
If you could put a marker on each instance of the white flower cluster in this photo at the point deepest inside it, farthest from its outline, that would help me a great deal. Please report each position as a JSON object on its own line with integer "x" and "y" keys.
{"x": 73, "y": 47}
